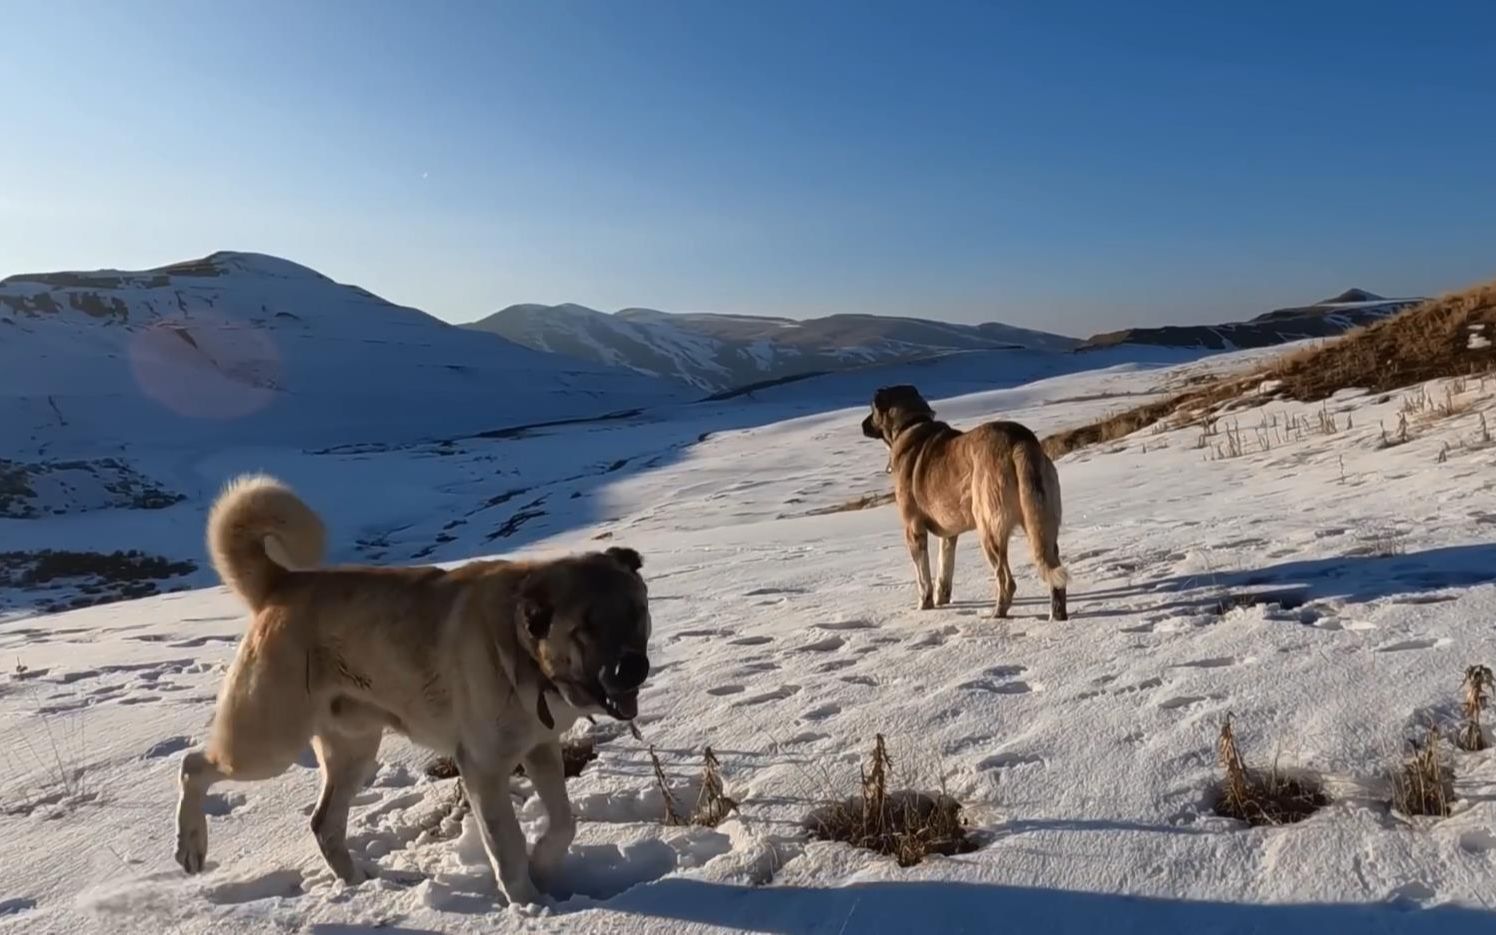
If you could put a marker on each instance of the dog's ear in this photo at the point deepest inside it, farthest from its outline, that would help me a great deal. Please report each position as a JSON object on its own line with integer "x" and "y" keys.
{"x": 626, "y": 557}
{"x": 535, "y": 609}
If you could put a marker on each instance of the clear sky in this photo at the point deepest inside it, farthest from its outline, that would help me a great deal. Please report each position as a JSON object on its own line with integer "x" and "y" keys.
{"x": 1063, "y": 165}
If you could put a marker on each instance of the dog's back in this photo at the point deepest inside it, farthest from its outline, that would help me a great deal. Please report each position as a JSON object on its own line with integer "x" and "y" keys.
{"x": 1016, "y": 484}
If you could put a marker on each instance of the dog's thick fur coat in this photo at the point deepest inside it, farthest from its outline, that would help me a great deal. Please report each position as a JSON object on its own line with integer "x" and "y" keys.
{"x": 991, "y": 479}
{"x": 487, "y": 663}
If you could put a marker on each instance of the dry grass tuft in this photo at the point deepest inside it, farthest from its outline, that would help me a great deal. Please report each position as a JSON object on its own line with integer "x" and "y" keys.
{"x": 672, "y": 814}
{"x": 713, "y": 805}
{"x": 1259, "y": 798}
{"x": 1424, "y": 784}
{"x": 906, "y": 825}
{"x": 1478, "y": 681}
{"x": 865, "y": 502}
{"x": 1427, "y": 342}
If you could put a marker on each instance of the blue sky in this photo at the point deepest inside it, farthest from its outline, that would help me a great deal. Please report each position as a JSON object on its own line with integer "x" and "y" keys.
{"x": 1063, "y": 165}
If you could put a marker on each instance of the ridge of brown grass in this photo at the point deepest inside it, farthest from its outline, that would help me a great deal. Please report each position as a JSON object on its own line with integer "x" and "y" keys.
{"x": 1425, "y": 342}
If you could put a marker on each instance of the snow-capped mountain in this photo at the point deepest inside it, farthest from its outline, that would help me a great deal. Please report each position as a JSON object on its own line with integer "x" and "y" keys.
{"x": 1326, "y": 318}
{"x": 249, "y": 349}
{"x": 721, "y": 352}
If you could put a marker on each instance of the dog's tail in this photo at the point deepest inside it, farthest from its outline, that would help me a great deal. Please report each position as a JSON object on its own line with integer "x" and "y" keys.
{"x": 258, "y": 530}
{"x": 1039, "y": 498}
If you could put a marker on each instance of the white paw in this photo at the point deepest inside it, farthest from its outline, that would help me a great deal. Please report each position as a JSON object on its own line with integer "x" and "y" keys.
{"x": 192, "y": 843}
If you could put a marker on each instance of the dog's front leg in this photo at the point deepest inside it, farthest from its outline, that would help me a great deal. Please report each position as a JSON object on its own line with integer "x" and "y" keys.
{"x": 546, "y": 771}
{"x": 919, "y": 550}
{"x": 487, "y": 786}
{"x": 947, "y": 571}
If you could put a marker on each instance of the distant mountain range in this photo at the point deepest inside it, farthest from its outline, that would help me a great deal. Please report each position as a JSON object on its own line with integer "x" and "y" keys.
{"x": 249, "y": 349}
{"x": 722, "y": 352}
{"x": 1326, "y": 318}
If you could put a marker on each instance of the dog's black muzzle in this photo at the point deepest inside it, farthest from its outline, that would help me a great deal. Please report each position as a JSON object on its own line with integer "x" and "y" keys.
{"x": 620, "y": 683}
{"x": 626, "y": 674}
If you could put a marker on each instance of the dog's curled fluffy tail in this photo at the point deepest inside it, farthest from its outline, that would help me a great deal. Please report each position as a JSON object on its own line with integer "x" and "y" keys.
{"x": 258, "y": 530}
{"x": 1039, "y": 498}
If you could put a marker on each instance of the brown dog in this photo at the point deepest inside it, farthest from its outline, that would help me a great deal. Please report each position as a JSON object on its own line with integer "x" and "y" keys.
{"x": 487, "y": 663}
{"x": 947, "y": 482}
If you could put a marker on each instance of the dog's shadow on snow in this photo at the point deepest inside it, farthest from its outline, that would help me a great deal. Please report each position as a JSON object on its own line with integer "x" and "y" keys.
{"x": 1353, "y": 579}
{"x": 942, "y": 906}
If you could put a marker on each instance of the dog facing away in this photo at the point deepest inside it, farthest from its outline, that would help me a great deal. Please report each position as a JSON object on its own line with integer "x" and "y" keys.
{"x": 487, "y": 663}
{"x": 947, "y": 482}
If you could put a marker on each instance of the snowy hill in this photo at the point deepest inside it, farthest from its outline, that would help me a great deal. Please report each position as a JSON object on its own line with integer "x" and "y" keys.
{"x": 1325, "y": 588}
{"x": 1327, "y": 318}
{"x": 723, "y": 352}
{"x": 250, "y": 349}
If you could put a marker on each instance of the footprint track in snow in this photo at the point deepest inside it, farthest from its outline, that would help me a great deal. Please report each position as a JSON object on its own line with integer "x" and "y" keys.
{"x": 277, "y": 883}
{"x": 750, "y": 641}
{"x": 1181, "y": 701}
{"x": 777, "y": 694}
{"x": 821, "y": 712}
{"x": 168, "y": 746}
{"x": 1214, "y": 662}
{"x": 836, "y": 665}
{"x": 1409, "y": 645}
{"x": 846, "y": 625}
{"x": 995, "y": 687}
{"x": 1010, "y": 761}
{"x": 219, "y": 804}
{"x": 721, "y": 690}
{"x": 826, "y": 645}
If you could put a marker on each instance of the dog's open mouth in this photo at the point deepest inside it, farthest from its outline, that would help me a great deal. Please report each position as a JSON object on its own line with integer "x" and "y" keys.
{"x": 622, "y": 707}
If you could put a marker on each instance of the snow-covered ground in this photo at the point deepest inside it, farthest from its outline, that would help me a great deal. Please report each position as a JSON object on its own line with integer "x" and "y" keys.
{"x": 1083, "y": 751}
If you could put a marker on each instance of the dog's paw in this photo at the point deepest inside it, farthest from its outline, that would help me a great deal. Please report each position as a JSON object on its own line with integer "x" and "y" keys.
{"x": 925, "y": 603}
{"x": 943, "y": 598}
{"x": 524, "y": 896}
{"x": 192, "y": 849}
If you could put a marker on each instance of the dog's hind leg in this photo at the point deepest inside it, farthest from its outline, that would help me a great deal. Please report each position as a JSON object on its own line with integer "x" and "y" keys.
{"x": 995, "y": 547}
{"x": 487, "y": 786}
{"x": 346, "y": 759}
{"x": 198, "y": 774}
{"x": 256, "y": 734}
{"x": 545, "y": 768}
{"x": 919, "y": 550}
{"x": 947, "y": 570}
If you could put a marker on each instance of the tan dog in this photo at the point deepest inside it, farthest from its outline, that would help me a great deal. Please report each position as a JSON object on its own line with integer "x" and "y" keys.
{"x": 487, "y": 663}
{"x": 991, "y": 479}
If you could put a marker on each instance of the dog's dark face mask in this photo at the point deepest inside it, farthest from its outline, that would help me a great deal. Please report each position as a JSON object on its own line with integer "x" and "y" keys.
{"x": 586, "y": 622}
{"x": 893, "y": 409}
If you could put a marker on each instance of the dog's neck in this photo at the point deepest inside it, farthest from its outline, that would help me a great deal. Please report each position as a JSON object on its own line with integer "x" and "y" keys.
{"x": 904, "y": 425}
{"x": 526, "y": 677}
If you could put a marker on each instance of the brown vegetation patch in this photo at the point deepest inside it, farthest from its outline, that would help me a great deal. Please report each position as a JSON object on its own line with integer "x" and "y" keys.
{"x": 1478, "y": 682}
{"x": 712, "y": 803}
{"x": 865, "y": 502}
{"x": 1424, "y": 783}
{"x": 1262, "y": 798}
{"x": 906, "y": 825}
{"x": 1451, "y": 336}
